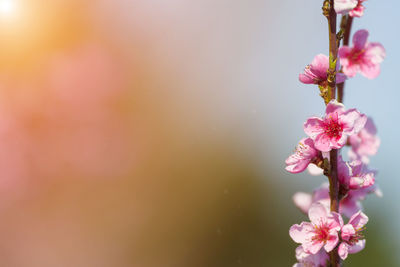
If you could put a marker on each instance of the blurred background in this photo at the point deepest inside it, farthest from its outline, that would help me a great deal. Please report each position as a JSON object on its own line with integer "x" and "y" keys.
{"x": 153, "y": 133}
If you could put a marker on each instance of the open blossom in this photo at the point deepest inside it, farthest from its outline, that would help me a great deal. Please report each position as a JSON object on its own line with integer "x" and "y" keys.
{"x": 322, "y": 231}
{"x": 310, "y": 260}
{"x": 317, "y": 72}
{"x": 349, "y": 204}
{"x": 363, "y": 57}
{"x": 344, "y": 6}
{"x": 358, "y": 11}
{"x": 354, "y": 175}
{"x": 352, "y": 238}
{"x": 304, "y": 154}
{"x": 365, "y": 143}
{"x": 332, "y": 131}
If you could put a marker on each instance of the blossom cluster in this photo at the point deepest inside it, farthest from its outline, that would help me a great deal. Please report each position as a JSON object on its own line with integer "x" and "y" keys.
{"x": 338, "y": 128}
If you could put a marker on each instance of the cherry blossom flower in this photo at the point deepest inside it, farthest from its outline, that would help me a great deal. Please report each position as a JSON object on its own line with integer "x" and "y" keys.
{"x": 310, "y": 260}
{"x": 317, "y": 72}
{"x": 322, "y": 231}
{"x": 332, "y": 131}
{"x": 365, "y": 143}
{"x": 358, "y": 11}
{"x": 304, "y": 154}
{"x": 354, "y": 175}
{"x": 352, "y": 237}
{"x": 344, "y": 6}
{"x": 350, "y": 204}
{"x": 363, "y": 57}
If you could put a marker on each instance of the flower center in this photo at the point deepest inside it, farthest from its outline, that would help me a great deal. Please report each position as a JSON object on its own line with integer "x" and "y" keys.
{"x": 321, "y": 233}
{"x": 357, "y": 56}
{"x": 332, "y": 127}
{"x": 357, "y": 236}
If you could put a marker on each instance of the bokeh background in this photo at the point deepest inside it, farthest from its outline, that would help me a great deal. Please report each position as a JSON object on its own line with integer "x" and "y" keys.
{"x": 153, "y": 133}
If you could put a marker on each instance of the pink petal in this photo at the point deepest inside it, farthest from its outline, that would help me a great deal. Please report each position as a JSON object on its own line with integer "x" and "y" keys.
{"x": 375, "y": 52}
{"x": 323, "y": 143}
{"x": 370, "y": 71}
{"x": 335, "y": 221}
{"x": 339, "y": 143}
{"x": 344, "y": 54}
{"x": 334, "y": 106}
{"x": 359, "y": 124}
{"x": 295, "y": 165}
{"x": 358, "y": 11}
{"x": 319, "y": 66}
{"x": 344, "y": 6}
{"x": 301, "y": 254}
{"x": 306, "y": 79}
{"x": 363, "y": 181}
{"x": 358, "y": 220}
{"x": 343, "y": 250}
{"x": 313, "y": 246}
{"x": 322, "y": 192}
{"x": 357, "y": 247}
{"x": 303, "y": 201}
{"x": 313, "y": 127}
{"x": 317, "y": 212}
{"x": 360, "y": 39}
{"x": 370, "y": 126}
{"x": 347, "y": 232}
{"x": 301, "y": 233}
{"x": 349, "y": 206}
{"x": 352, "y": 121}
{"x": 332, "y": 242}
{"x": 350, "y": 70}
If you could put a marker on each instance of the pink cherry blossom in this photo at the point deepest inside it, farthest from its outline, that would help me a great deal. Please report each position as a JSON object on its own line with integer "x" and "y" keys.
{"x": 352, "y": 237}
{"x": 365, "y": 143}
{"x": 332, "y": 131}
{"x": 310, "y": 260}
{"x": 358, "y": 11}
{"x": 317, "y": 72}
{"x": 304, "y": 154}
{"x": 344, "y": 6}
{"x": 363, "y": 57}
{"x": 354, "y": 175}
{"x": 350, "y": 204}
{"x": 322, "y": 231}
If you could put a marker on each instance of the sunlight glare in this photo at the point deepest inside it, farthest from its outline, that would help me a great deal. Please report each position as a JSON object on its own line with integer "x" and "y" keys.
{"x": 7, "y": 7}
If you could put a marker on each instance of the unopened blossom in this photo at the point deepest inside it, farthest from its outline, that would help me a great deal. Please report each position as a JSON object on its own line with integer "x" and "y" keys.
{"x": 304, "y": 154}
{"x": 332, "y": 131}
{"x": 344, "y": 6}
{"x": 317, "y": 72}
{"x": 365, "y": 143}
{"x": 310, "y": 260}
{"x": 322, "y": 231}
{"x": 363, "y": 57}
{"x": 352, "y": 238}
{"x": 358, "y": 11}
